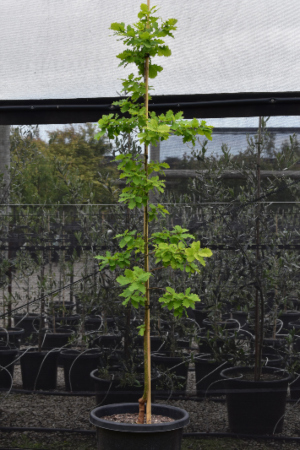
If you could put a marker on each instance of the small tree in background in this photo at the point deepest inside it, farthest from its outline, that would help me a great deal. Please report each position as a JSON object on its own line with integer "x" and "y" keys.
{"x": 70, "y": 168}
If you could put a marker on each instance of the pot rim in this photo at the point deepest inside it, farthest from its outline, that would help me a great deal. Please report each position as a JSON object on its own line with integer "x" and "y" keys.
{"x": 70, "y": 353}
{"x": 170, "y": 411}
{"x": 11, "y": 331}
{"x": 9, "y": 351}
{"x": 97, "y": 378}
{"x": 161, "y": 356}
{"x": 286, "y": 376}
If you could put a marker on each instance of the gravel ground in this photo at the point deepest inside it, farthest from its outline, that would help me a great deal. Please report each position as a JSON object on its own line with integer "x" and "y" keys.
{"x": 35, "y": 410}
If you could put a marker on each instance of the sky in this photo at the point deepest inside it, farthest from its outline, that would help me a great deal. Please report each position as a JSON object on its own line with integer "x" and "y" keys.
{"x": 64, "y": 49}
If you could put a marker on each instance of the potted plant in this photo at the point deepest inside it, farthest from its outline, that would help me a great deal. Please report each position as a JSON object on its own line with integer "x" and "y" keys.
{"x": 256, "y": 396}
{"x": 168, "y": 248}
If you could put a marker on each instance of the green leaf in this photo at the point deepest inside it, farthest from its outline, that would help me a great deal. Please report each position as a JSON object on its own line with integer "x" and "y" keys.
{"x": 144, "y": 7}
{"x": 117, "y": 26}
{"x": 145, "y": 35}
{"x": 153, "y": 69}
{"x": 164, "y": 51}
{"x": 142, "y": 329}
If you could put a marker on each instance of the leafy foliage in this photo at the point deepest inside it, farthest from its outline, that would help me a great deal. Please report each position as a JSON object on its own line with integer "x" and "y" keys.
{"x": 170, "y": 248}
{"x": 69, "y": 168}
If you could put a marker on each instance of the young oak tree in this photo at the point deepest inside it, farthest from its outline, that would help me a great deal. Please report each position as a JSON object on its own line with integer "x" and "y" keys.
{"x": 170, "y": 248}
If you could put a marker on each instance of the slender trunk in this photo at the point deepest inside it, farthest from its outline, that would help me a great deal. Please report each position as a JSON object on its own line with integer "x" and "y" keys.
{"x": 147, "y": 349}
{"x": 11, "y": 223}
{"x": 4, "y": 164}
{"x": 9, "y": 287}
{"x": 259, "y": 303}
{"x": 42, "y": 310}
{"x": 5, "y": 198}
{"x": 63, "y": 261}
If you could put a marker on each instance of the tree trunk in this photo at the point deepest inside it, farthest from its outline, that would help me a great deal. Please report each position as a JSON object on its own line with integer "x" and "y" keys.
{"x": 4, "y": 162}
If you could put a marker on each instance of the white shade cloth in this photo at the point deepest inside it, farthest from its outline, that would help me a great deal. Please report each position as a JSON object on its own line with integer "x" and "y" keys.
{"x": 55, "y": 49}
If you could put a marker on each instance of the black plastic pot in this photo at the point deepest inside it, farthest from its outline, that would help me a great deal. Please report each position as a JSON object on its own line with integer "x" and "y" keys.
{"x": 255, "y": 407}
{"x": 110, "y": 323}
{"x": 208, "y": 375}
{"x": 29, "y": 323}
{"x": 296, "y": 303}
{"x": 121, "y": 436}
{"x": 200, "y": 315}
{"x": 277, "y": 346}
{"x": 39, "y": 369}
{"x": 183, "y": 343}
{"x": 295, "y": 387}
{"x": 295, "y": 326}
{"x": 112, "y": 390}
{"x": 111, "y": 341}
{"x": 240, "y": 316}
{"x": 157, "y": 342}
{"x": 226, "y": 324}
{"x": 269, "y": 360}
{"x": 12, "y": 336}
{"x": 57, "y": 339}
{"x": 72, "y": 321}
{"x": 287, "y": 317}
{"x": 295, "y": 384}
{"x": 174, "y": 372}
{"x": 7, "y": 357}
{"x": 77, "y": 368}
{"x": 92, "y": 323}
{"x": 206, "y": 344}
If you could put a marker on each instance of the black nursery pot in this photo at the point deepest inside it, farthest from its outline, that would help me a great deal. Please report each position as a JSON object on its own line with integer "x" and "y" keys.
{"x": 183, "y": 343}
{"x": 208, "y": 375}
{"x": 57, "y": 339}
{"x": 277, "y": 346}
{"x": 110, "y": 341}
{"x": 7, "y": 357}
{"x": 112, "y": 391}
{"x": 92, "y": 323}
{"x": 256, "y": 407}
{"x": 29, "y": 323}
{"x": 12, "y": 335}
{"x": 174, "y": 372}
{"x": 77, "y": 368}
{"x": 240, "y": 316}
{"x": 39, "y": 369}
{"x": 72, "y": 321}
{"x": 157, "y": 342}
{"x": 206, "y": 343}
{"x": 200, "y": 314}
{"x": 121, "y": 436}
{"x": 295, "y": 388}
{"x": 287, "y": 317}
{"x": 226, "y": 324}
{"x": 295, "y": 326}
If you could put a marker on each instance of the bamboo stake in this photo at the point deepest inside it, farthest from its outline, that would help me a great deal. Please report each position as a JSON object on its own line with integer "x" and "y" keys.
{"x": 147, "y": 349}
{"x": 147, "y": 310}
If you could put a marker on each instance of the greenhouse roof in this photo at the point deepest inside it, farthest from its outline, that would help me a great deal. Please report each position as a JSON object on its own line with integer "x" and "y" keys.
{"x": 63, "y": 51}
